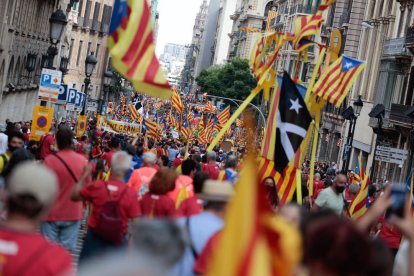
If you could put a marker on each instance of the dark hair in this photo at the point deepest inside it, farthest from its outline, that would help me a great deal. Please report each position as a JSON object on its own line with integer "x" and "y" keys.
{"x": 198, "y": 181}
{"x": 64, "y": 138}
{"x": 19, "y": 156}
{"x": 271, "y": 193}
{"x": 114, "y": 143}
{"x": 130, "y": 149}
{"x": 15, "y": 134}
{"x": 163, "y": 181}
{"x": 188, "y": 166}
{"x": 215, "y": 206}
{"x": 164, "y": 160}
{"x": 24, "y": 204}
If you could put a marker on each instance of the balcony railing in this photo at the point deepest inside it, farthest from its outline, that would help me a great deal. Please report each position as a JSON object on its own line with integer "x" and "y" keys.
{"x": 397, "y": 114}
{"x": 395, "y": 47}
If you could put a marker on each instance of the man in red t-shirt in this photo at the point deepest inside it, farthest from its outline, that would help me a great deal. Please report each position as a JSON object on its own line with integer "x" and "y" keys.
{"x": 211, "y": 167}
{"x": 62, "y": 223}
{"x": 32, "y": 188}
{"x": 114, "y": 146}
{"x": 98, "y": 193}
{"x": 47, "y": 143}
{"x": 188, "y": 169}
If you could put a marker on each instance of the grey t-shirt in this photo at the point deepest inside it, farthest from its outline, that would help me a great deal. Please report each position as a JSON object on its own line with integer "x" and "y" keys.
{"x": 328, "y": 199}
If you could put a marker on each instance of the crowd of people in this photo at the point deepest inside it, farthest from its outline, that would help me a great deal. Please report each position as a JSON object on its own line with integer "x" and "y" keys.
{"x": 158, "y": 207}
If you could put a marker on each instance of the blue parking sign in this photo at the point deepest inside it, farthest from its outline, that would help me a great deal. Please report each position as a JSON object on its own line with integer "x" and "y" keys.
{"x": 63, "y": 94}
{"x": 72, "y": 92}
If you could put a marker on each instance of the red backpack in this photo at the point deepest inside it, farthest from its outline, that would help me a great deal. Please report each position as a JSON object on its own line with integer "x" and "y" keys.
{"x": 109, "y": 226}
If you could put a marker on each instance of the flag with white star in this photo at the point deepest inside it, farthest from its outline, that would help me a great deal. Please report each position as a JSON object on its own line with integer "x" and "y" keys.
{"x": 293, "y": 120}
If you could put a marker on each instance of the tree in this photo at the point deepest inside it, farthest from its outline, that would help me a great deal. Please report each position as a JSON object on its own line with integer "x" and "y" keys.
{"x": 232, "y": 80}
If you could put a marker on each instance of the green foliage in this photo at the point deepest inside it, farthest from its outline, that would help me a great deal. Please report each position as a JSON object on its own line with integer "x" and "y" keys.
{"x": 232, "y": 80}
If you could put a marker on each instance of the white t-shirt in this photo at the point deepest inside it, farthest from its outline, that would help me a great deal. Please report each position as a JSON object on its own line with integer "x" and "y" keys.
{"x": 328, "y": 199}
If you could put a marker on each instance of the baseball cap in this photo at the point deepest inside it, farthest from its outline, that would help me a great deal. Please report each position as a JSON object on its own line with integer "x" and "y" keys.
{"x": 33, "y": 179}
{"x": 219, "y": 191}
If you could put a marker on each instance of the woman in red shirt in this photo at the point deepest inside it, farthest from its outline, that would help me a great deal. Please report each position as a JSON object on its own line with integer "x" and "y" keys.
{"x": 156, "y": 202}
{"x": 96, "y": 150}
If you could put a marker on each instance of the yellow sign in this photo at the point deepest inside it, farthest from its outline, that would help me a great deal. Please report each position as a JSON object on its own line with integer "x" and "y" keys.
{"x": 81, "y": 126}
{"x": 42, "y": 121}
{"x": 335, "y": 44}
{"x": 120, "y": 127}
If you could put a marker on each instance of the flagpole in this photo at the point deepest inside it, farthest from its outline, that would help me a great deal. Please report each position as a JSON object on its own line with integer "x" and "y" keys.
{"x": 233, "y": 118}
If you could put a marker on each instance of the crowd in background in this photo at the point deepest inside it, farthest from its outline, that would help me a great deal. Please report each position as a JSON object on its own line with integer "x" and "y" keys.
{"x": 158, "y": 207}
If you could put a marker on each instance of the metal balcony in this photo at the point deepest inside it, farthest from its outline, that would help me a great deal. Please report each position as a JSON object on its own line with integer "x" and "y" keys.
{"x": 396, "y": 47}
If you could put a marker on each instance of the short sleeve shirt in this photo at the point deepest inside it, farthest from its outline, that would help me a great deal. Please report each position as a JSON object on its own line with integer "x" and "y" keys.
{"x": 328, "y": 199}
{"x": 27, "y": 253}
{"x": 157, "y": 206}
{"x": 97, "y": 194}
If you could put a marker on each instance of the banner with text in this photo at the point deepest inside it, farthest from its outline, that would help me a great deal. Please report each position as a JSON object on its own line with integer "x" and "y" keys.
{"x": 120, "y": 127}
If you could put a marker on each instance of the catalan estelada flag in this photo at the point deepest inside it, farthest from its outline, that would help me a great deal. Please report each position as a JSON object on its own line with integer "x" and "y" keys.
{"x": 176, "y": 101}
{"x": 224, "y": 116}
{"x": 134, "y": 114}
{"x": 260, "y": 243}
{"x": 209, "y": 107}
{"x": 131, "y": 44}
{"x": 270, "y": 16}
{"x": 151, "y": 129}
{"x": 360, "y": 203}
{"x": 335, "y": 83}
{"x": 359, "y": 172}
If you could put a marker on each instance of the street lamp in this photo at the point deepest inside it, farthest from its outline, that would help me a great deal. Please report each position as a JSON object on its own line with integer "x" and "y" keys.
{"x": 351, "y": 114}
{"x": 57, "y": 22}
{"x": 64, "y": 61}
{"x": 31, "y": 62}
{"x": 107, "y": 83}
{"x": 90, "y": 63}
{"x": 377, "y": 112}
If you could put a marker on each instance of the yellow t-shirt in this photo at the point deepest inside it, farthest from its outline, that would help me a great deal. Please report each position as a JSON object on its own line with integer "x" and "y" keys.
{"x": 4, "y": 158}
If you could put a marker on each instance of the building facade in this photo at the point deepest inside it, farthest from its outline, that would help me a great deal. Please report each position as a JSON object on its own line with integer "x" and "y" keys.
{"x": 87, "y": 35}
{"x": 192, "y": 56}
{"x": 24, "y": 36}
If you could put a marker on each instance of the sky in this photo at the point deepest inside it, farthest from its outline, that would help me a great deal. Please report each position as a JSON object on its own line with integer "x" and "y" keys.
{"x": 176, "y": 22}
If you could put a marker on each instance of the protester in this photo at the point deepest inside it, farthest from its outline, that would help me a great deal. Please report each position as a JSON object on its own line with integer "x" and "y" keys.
{"x": 31, "y": 191}
{"x": 201, "y": 227}
{"x": 63, "y": 221}
{"x": 230, "y": 170}
{"x": 140, "y": 178}
{"x": 106, "y": 196}
{"x": 19, "y": 156}
{"x": 15, "y": 141}
{"x": 332, "y": 197}
{"x": 47, "y": 143}
{"x": 211, "y": 167}
{"x": 156, "y": 203}
{"x": 184, "y": 181}
{"x": 193, "y": 205}
{"x": 114, "y": 146}
{"x": 271, "y": 193}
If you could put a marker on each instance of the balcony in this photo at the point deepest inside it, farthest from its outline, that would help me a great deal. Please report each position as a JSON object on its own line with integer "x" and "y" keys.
{"x": 396, "y": 47}
{"x": 307, "y": 9}
{"x": 409, "y": 39}
{"x": 398, "y": 117}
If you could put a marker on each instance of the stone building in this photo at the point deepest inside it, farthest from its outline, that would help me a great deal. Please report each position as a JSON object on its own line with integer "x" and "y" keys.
{"x": 24, "y": 40}
{"x": 87, "y": 34}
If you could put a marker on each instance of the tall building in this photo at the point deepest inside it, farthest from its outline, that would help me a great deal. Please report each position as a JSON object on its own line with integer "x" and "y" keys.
{"x": 172, "y": 61}
{"x": 223, "y": 29}
{"x": 206, "y": 53}
{"x": 24, "y": 40}
{"x": 191, "y": 60}
{"x": 87, "y": 34}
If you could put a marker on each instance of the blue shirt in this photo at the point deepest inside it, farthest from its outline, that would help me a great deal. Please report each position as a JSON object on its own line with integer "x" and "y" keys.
{"x": 201, "y": 228}
{"x": 136, "y": 164}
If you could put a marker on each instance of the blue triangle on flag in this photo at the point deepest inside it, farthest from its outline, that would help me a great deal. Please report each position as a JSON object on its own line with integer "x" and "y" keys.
{"x": 349, "y": 63}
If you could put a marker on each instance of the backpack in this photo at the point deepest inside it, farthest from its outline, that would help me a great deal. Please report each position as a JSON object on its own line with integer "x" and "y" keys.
{"x": 109, "y": 226}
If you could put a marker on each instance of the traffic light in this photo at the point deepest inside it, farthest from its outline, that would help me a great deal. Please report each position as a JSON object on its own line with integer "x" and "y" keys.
{"x": 124, "y": 109}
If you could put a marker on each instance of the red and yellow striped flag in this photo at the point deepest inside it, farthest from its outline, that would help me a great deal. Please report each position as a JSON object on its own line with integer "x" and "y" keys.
{"x": 335, "y": 83}
{"x": 224, "y": 116}
{"x": 209, "y": 108}
{"x": 260, "y": 243}
{"x": 360, "y": 204}
{"x": 270, "y": 16}
{"x": 135, "y": 115}
{"x": 131, "y": 44}
{"x": 176, "y": 101}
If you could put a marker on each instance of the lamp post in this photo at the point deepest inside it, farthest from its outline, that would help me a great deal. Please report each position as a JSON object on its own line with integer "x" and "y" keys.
{"x": 58, "y": 23}
{"x": 90, "y": 63}
{"x": 351, "y": 113}
{"x": 64, "y": 61}
{"x": 107, "y": 83}
{"x": 377, "y": 112}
